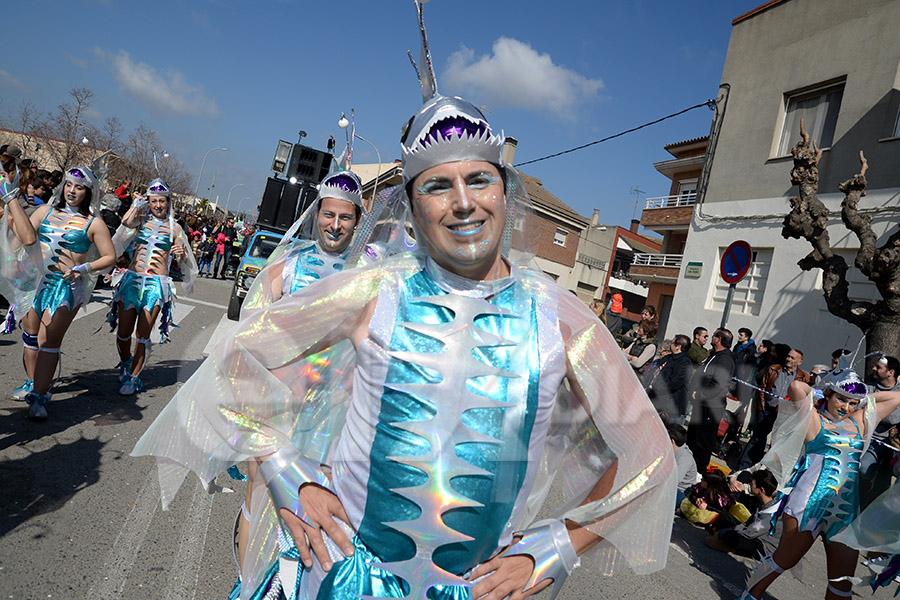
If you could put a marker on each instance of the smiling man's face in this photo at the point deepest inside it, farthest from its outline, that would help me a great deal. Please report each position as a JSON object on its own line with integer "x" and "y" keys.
{"x": 335, "y": 222}
{"x": 460, "y": 209}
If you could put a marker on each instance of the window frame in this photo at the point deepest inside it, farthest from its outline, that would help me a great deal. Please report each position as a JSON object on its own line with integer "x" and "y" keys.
{"x": 565, "y": 235}
{"x": 791, "y": 99}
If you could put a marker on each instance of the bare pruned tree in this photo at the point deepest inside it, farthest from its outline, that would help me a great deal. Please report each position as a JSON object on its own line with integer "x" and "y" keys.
{"x": 69, "y": 125}
{"x": 27, "y": 121}
{"x": 109, "y": 135}
{"x": 136, "y": 161}
{"x": 808, "y": 219}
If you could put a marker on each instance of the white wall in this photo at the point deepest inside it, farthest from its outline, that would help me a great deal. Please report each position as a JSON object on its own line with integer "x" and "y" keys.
{"x": 793, "y": 308}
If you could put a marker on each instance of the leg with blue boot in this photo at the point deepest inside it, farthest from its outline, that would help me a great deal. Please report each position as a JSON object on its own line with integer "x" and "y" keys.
{"x": 29, "y": 355}
{"x": 51, "y": 331}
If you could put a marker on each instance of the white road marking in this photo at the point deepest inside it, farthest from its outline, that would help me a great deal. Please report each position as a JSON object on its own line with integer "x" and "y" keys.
{"x": 203, "y": 302}
{"x": 180, "y": 312}
{"x": 224, "y": 329}
{"x": 184, "y": 571}
{"x": 119, "y": 562}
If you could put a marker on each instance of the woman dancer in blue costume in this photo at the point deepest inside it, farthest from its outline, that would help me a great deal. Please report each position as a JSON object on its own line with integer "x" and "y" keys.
{"x": 153, "y": 239}
{"x": 420, "y": 470}
{"x": 823, "y": 498}
{"x": 73, "y": 245}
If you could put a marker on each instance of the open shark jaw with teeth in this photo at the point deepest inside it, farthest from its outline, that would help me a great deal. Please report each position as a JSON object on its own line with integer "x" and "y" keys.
{"x": 467, "y": 228}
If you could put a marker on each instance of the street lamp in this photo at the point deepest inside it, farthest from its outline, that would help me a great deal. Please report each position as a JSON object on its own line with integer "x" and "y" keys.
{"x": 197, "y": 188}
{"x": 343, "y": 123}
{"x": 228, "y": 200}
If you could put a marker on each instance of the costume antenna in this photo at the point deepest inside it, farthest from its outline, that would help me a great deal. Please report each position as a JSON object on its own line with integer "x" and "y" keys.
{"x": 414, "y": 66}
{"x": 428, "y": 80}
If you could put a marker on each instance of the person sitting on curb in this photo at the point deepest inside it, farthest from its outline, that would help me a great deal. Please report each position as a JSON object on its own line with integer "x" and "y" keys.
{"x": 685, "y": 468}
{"x": 753, "y": 538}
{"x": 711, "y": 503}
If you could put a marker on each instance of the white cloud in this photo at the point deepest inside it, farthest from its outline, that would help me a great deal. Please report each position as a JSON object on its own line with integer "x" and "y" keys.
{"x": 515, "y": 74}
{"x": 168, "y": 92}
{"x": 9, "y": 80}
{"x": 81, "y": 64}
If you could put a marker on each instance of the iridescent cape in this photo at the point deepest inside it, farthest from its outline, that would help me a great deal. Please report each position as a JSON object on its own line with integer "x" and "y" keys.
{"x": 239, "y": 404}
{"x": 20, "y": 266}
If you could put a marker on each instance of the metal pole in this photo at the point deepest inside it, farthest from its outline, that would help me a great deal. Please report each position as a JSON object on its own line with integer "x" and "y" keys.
{"x": 377, "y": 172}
{"x": 727, "y": 310}
{"x": 202, "y": 164}
{"x": 228, "y": 200}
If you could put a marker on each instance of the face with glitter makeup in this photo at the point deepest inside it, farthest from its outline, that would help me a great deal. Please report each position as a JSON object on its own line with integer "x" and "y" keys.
{"x": 839, "y": 406}
{"x": 74, "y": 193}
{"x": 335, "y": 221}
{"x": 159, "y": 206}
{"x": 460, "y": 209}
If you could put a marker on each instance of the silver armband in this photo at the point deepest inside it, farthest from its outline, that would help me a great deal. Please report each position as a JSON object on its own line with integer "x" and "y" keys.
{"x": 284, "y": 472}
{"x": 83, "y": 268}
{"x": 548, "y": 543}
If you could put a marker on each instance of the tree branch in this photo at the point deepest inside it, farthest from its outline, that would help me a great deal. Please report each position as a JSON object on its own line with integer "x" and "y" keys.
{"x": 854, "y": 189}
{"x": 808, "y": 219}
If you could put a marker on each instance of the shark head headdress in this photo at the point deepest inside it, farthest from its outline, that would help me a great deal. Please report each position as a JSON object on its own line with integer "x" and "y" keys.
{"x": 158, "y": 187}
{"x": 80, "y": 176}
{"x": 845, "y": 382}
{"x": 446, "y": 128}
{"x": 343, "y": 185}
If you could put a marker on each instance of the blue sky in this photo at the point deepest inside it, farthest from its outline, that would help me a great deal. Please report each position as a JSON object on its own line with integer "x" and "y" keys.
{"x": 210, "y": 73}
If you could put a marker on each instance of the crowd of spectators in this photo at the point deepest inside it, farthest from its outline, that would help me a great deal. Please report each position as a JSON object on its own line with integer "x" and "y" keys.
{"x": 692, "y": 381}
{"x": 214, "y": 240}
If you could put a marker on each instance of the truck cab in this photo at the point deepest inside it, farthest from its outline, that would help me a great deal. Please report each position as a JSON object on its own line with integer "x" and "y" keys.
{"x": 258, "y": 249}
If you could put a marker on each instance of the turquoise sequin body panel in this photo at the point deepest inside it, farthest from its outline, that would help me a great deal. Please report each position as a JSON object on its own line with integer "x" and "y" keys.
{"x": 311, "y": 266}
{"x": 834, "y": 500}
{"x": 490, "y": 440}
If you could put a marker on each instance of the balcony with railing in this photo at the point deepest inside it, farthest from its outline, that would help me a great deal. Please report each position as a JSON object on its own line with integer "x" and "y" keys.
{"x": 669, "y": 212}
{"x": 663, "y": 268}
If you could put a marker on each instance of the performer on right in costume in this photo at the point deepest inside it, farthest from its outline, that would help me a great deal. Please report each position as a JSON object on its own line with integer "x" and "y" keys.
{"x": 73, "y": 244}
{"x": 152, "y": 239}
{"x": 823, "y": 496}
{"x": 475, "y": 381}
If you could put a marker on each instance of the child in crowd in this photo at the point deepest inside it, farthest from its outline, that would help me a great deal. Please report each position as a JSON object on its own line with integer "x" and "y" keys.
{"x": 207, "y": 249}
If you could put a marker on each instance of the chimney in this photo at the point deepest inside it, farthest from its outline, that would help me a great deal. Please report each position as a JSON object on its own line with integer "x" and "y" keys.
{"x": 508, "y": 154}
{"x": 595, "y": 218}
{"x": 635, "y": 223}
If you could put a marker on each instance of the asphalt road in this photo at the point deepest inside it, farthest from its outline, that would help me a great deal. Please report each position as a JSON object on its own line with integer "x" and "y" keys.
{"x": 79, "y": 518}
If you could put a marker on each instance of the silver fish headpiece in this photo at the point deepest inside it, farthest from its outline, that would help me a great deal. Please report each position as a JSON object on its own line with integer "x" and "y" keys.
{"x": 343, "y": 185}
{"x": 447, "y": 129}
{"x": 158, "y": 187}
{"x": 83, "y": 176}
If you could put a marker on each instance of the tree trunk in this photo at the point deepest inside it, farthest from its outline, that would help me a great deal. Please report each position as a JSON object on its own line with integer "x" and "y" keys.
{"x": 883, "y": 336}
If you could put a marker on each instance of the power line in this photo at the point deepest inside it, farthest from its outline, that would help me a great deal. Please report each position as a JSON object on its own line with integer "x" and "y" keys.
{"x": 708, "y": 103}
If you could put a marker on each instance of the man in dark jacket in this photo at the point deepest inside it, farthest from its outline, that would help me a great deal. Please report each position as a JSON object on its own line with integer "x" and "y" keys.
{"x": 667, "y": 380}
{"x": 709, "y": 387}
{"x": 744, "y": 365}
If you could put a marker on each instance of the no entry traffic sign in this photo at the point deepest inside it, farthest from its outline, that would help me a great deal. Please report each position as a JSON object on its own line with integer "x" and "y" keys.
{"x": 736, "y": 261}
